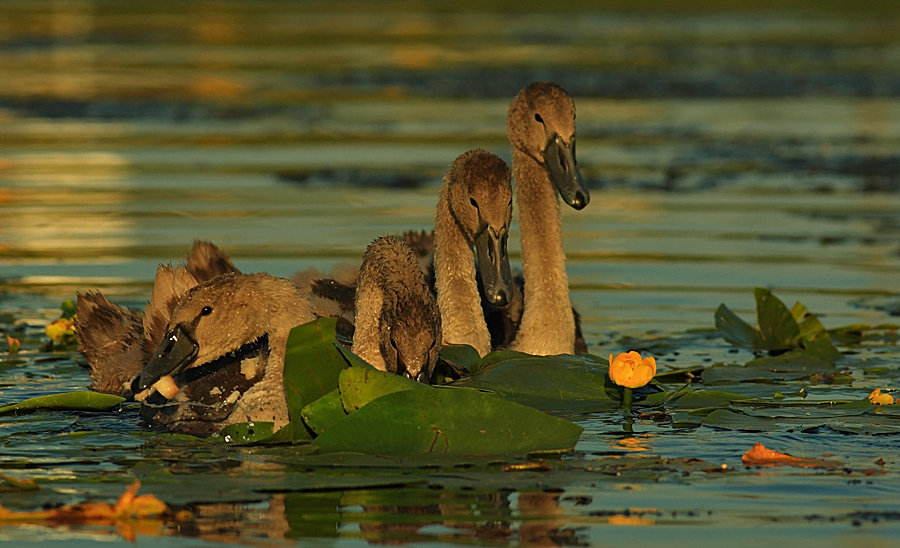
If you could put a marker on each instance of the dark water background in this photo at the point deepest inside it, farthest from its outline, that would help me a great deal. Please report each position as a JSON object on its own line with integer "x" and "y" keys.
{"x": 726, "y": 147}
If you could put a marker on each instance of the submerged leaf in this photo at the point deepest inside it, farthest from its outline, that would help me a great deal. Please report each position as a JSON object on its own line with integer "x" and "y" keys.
{"x": 444, "y": 422}
{"x": 82, "y": 400}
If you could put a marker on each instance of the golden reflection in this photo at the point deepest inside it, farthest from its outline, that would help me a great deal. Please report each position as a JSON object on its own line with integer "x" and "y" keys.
{"x": 388, "y": 517}
{"x": 415, "y": 56}
{"x": 632, "y": 444}
{"x": 64, "y": 204}
{"x": 214, "y": 23}
{"x": 218, "y": 88}
{"x": 634, "y": 517}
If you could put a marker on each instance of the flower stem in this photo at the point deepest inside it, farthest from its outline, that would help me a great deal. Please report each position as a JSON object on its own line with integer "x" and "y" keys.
{"x": 626, "y": 400}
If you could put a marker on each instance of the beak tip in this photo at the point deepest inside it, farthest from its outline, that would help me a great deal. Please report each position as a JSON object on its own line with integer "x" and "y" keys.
{"x": 580, "y": 200}
{"x": 500, "y": 298}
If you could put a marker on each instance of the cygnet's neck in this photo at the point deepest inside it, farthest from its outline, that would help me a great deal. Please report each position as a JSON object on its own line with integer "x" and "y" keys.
{"x": 548, "y": 325}
{"x": 458, "y": 298}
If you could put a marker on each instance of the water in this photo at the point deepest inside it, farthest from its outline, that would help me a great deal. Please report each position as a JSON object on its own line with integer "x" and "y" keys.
{"x": 724, "y": 149}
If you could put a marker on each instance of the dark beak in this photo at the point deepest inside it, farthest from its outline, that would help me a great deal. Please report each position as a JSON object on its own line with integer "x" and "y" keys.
{"x": 560, "y": 162}
{"x": 493, "y": 263}
{"x": 177, "y": 350}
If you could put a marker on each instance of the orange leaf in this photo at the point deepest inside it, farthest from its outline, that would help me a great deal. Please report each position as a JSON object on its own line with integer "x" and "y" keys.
{"x": 760, "y": 455}
{"x": 128, "y": 506}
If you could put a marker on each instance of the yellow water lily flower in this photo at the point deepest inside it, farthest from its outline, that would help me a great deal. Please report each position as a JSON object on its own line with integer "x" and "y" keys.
{"x": 61, "y": 329}
{"x": 628, "y": 369}
{"x": 877, "y": 398}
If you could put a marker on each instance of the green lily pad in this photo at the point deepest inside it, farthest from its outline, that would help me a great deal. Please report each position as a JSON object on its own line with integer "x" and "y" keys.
{"x": 777, "y": 327}
{"x": 551, "y": 383}
{"x": 360, "y": 385}
{"x": 325, "y": 411}
{"x": 445, "y": 422}
{"x": 82, "y": 400}
{"x": 246, "y": 434}
{"x": 462, "y": 356}
{"x": 733, "y": 420}
{"x": 694, "y": 399}
{"x": 795, "y": 364}
{"x": 735, "y": 330}
{"x": 312, "y": 364}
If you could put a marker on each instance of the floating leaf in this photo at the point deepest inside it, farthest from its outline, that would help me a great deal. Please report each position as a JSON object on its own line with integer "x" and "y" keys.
{"x": 82, "y": 400}
{"x": 694, "y": 399}
{"x": 777, "y": 326}
{"x": 760, "y": 455}
{"x": 735, "y": 330}
{"x": 312, "y": 364}
{"x": 445, "y": 422}
{"x": 360, "y": 385}
{"x": 551, "y": 383}
{"x": 798, "y": 311}
{"x": 245, "y": 433}
{"x": 325, "y": 411}
{"x": 793, "y": 365}
{"x": 461, "y": 356}
{"x": 732, "y": 420}
{"x": 352, "y": 359}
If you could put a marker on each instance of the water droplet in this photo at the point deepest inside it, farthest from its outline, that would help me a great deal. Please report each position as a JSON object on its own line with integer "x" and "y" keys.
{"x": 228, "y": 439}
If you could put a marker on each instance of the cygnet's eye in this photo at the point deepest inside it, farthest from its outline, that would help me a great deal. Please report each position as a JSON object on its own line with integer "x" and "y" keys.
{"x": 206, "y": 311}
{"x": 538, "y": 118}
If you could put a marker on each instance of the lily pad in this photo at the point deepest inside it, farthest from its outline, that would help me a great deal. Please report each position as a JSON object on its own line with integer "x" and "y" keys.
{"x": 325, "y": 411}
{"x": 462, "y": 356}
{"x": 550, "y": 383}
{"x": 733, "y": 420}
{"x": 312, "y": 364}
{"x": 735, "y": 330}
{"x": 447, "y": 422}
{"x": 360, "y": 385}
{"x": 792, "y": 364}
{"x": 780, "y": 328}
{"x": 82, "y": 400}
{"x": 694, "y": 399}
{"x": 777, "y": 326}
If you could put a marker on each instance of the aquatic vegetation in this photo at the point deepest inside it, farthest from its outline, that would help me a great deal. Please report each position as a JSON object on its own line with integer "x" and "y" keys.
{"x": 629, "y": 370}
{"x": 877, "y": 398}
{"x": 779, "y": 329}
{"x": 12, "y": 344}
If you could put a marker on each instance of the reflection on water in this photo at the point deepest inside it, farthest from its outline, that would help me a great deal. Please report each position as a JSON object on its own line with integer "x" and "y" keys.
{"x": 392, "y": 517}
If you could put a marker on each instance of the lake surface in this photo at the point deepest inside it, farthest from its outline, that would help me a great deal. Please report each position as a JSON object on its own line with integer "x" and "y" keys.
{"x": 724, "y": 150}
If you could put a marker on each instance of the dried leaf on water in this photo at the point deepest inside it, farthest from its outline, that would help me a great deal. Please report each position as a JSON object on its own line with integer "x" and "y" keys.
{"x": 760, "y": 455}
